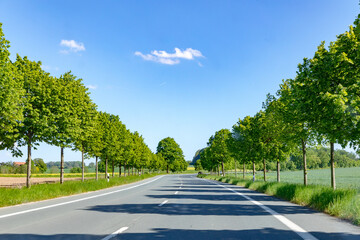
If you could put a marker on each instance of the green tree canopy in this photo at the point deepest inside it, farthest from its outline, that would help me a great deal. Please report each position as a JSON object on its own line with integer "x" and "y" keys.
{"x": 172, "y": 154}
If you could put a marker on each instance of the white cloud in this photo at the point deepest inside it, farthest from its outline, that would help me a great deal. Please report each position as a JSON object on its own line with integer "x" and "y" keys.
{"x": 49, "y": 68}
{"x": 170, "y": 58}
{"x": 91, "y": 86}
{"x": 72, "y": 46}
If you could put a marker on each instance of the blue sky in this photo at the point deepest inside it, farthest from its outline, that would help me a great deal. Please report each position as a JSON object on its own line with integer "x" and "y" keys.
{"x": 230, "y": 55}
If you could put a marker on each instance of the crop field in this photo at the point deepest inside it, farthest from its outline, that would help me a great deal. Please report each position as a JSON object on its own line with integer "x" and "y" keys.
{"x": 345, "y": 177}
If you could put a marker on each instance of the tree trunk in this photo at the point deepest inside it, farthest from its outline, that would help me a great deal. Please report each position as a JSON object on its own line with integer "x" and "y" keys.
{"x": 120, "y": 169}
{"x": 303, "y": 143}
{"x": 235, "y": 168}
{"x": 222, "y": 168}
{"x": 128, "y": 171}
{"x": 113, "y": 167}
{"x": 253, "y": 170}
{"x": 106, "y": 167}
{"x": 278, "y": 170}
{"x": 332, "y": 162}
{"x": 167, "y": 168}
{"x": 218, "y": 170}
{"x": 96, "y": 168}
{"x": 28, "y": 174}
{"x": 82, "y": 164}
{"x": 244, "y": 170}
{"x": 62, "y": 165}
{"x": 124, "y": 169}
{"x": 132, "y": 171}
{"x": 264, "y": 162}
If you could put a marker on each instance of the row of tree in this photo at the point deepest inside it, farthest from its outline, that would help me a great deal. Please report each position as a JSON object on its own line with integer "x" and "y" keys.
{"x": 37, "y": 107}
{"x": 321, "y": 104}
{"x": 317, "y": 157}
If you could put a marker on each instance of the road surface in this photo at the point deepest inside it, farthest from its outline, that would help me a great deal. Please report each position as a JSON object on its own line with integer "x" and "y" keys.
{"x": 170, "y": 207}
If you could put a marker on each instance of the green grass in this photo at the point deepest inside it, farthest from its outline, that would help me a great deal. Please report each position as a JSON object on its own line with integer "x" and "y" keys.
{"x": 13, "y": 196}
{"x": 345, "y": 177}
{"x": 343, "y": 203}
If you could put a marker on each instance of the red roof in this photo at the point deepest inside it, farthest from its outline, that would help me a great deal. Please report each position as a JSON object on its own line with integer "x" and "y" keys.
{"x": 19, "y": 163}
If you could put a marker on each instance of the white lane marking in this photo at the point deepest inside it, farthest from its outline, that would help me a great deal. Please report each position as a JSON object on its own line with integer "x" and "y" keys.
{"x": 176, "y": 192}
{"x": 295, "y": 228}
{"x": 163, "y": 203}
{"x": 115, "y": 233}
{"x": 77, "y": 200}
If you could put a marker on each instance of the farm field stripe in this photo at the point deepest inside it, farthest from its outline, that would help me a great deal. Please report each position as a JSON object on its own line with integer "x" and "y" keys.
{"x": 77, "y": 200}
{"x": 295, "y": 228}
{"x": 114, "y": 234}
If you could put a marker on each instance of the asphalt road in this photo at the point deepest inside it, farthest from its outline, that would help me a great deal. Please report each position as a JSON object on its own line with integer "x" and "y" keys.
{"x": 171, "y": 207}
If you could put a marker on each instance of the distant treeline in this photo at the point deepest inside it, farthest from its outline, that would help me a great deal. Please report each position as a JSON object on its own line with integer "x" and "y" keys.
{"x": 319, "y": 158}
{"x": 68, "y": 164}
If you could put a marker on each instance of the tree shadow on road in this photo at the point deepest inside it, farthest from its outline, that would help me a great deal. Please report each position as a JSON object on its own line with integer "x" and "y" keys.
{"x": 217, "y": 197}
{"x": 180, "y": 234}
{"x": 198, "y": 209}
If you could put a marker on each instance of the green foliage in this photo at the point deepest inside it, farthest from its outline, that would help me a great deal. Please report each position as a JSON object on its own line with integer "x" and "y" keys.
{"x": 75, "y": 170}
{"x": 198, "y": 165}
{"x": 54, "y": 169}
{"x": 172, "y": 154}
{"x": 67, "y": 164}
{"x": 11, "y": 99}
{"x": 40, "y": 165}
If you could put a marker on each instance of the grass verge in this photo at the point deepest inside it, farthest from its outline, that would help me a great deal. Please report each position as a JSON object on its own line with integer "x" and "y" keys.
{"x": 342, "y": 203}
{"x": 13, "y": 196}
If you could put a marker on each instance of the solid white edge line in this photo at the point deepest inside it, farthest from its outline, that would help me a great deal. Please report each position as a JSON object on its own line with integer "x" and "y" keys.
{"x": 295, "y": 228}
{"x": 77, "y": 200}
{"x": 163, "y": 203}
{"x": 115, "y": 233}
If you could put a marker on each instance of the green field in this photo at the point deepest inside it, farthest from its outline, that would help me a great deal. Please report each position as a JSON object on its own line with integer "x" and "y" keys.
{"x": 345, "y": 177}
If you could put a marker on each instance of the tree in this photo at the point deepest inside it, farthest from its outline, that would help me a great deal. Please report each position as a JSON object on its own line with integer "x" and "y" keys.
{"x": 198, "y": 165}
{"x": 97, "y": 145}
{"x": 247, "y": 135}
{"x": 276, "y": 134}
{"x": 219, "y": 148}
{"x": 171, "y": 152}
{"x": 87, "y": 115}
{"x": 38, "y": 119}
{"x": 294, "y": 115}
{"x": 39, "y": 163}
{"x": 11, "y": 99}
{"x": 327, "y": 92}
{"x": 67, "y": 104}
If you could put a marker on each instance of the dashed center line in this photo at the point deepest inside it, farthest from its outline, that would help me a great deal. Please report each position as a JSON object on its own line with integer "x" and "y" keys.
{"x": 176, "y": 192}
{"x": 163, "y": 203}
{"x": 114, "y": 234}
